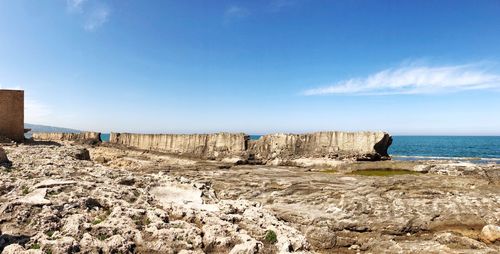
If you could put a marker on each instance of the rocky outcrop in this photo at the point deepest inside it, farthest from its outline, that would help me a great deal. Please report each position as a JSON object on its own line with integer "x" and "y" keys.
{"x": 332, "y": 145}
{"x": 269, "y": 148}
{"x": 217, "y": 145}
{"x": 3, "y": 156}
{"x": 83, "y": 137}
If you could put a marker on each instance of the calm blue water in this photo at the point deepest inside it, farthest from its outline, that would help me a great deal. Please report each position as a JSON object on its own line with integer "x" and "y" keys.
{"x": 105, "y": 137}
{"x": 434, "y": 147}
{"x": 474, "y": 148}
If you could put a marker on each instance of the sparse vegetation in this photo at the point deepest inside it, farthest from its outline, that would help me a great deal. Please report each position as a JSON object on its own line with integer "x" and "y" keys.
{"x": 102, "y": 237}
{"x": 25, "y": 190}
{"x": 141, "y": 221}
{"x": 35, "y": 246}
{"x": 50, "y": 233}
{"x": 271, "y": 237}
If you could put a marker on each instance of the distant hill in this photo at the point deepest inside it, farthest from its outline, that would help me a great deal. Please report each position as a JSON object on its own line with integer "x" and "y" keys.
{"x": 45, "y": 128}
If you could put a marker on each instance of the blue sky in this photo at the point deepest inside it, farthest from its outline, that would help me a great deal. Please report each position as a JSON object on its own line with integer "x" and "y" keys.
{"x": 406, "y": 67}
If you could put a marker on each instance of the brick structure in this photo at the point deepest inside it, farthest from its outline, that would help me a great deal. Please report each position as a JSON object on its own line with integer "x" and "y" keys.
{"x": 12, "y": 114}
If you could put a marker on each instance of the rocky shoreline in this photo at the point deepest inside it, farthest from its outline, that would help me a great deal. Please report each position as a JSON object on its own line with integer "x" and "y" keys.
{"x": 73, "y": 198}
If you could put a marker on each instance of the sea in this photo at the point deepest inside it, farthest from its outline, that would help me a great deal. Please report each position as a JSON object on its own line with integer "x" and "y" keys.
{"x": 477, "y": 149}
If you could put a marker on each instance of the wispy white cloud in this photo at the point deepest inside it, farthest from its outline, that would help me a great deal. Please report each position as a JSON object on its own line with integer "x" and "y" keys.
{"x": 75, "y": 5}
{"x": 416, "y": 79}
{"x": 278, "y": 5}
{"x": 96, "y": 18}
{"x": 235, "y": 11}
{"x": 94, "y": 13}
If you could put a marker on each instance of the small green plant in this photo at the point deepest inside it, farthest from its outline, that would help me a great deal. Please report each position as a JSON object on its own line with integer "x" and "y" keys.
{"x": 35, "y": 246}
{"x": 101, "y": 217}
{"x": 102, "y": 237}
{"x": 25, "y": 190}
{"x": 141, "y": 221}
{"x": 271, "y": 237}
{"x": 49, "y": 233}
{"x": 48, "y": 251}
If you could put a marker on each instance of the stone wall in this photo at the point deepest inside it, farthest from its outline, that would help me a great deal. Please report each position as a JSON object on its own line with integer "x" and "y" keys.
{"x": 84, "y": 137}
{"x": 331, "y": 144}
{"x": 12, "y": 114}
{"x": 217, "y": 145}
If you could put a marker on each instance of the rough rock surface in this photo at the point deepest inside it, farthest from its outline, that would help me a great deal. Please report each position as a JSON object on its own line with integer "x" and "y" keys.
{"x": 52, "y": 202}
{"x": 217, "y": 145}
{"x": 441, "y": 207}
{"x": 490, "y": 233}
{"x": 83, "y": 137}
{"x": 274, "y": 149}
{"x": 332, "y": 145}
{"x": 144, "y": 202}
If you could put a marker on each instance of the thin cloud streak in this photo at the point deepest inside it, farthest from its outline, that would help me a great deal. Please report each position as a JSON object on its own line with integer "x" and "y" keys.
{"x": 416, "y": 80}
{"x": 93, "y": 13}
{"x": 278, "y": 5}
{"x": 75, "y": 5}
{"x": 96, "y": 18}
{"x": 235, "y": 11}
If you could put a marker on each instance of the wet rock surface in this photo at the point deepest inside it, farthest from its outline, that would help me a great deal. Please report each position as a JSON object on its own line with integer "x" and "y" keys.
{"x": 125, "y": 201}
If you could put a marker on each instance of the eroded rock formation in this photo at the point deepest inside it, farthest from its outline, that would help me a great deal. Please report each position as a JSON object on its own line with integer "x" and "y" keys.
{"x": 217, "y": 145}
{"x": 331, "y": 144}
{"x": 273, "y": 148}
{"x": 84, "y": 137}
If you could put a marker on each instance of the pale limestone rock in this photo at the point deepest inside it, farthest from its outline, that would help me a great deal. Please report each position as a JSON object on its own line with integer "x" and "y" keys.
{"x": 36, "y": 197}
{"x": 490, "y": 233}
{"x": 327, "y": 145}
{"x": 248, "y": 246}
{"x": 72, "y": 224}
{"x": 52, "y": 182}
{"x": 201, "y": 145}
{"x": 323, "y": 237}
{"x": 87, "y": 137}
{"x": 18, "y": 249}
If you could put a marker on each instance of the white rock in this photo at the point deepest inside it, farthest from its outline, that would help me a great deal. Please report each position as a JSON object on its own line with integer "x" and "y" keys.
{"x": 52, "y": 182}
{"x": 490, "y": 233}
{"x": 36, "y": 197}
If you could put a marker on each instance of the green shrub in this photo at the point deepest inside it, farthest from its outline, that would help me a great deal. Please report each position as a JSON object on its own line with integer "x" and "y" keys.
{"x": 271, "y": 237}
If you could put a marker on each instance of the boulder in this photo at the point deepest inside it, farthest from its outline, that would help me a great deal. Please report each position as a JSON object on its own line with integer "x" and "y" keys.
{"x": 82, "y": 154}
{"x": 3, "y": 157}
{"x": 490, "y": 233}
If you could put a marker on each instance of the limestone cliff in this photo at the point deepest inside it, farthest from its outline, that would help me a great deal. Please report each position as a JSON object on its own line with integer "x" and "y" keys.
{"x": 216, "y": 145}
{"x": 85, "y": 137}
{"x": 331, "y": 144}
{"x": 283, "y": 147}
